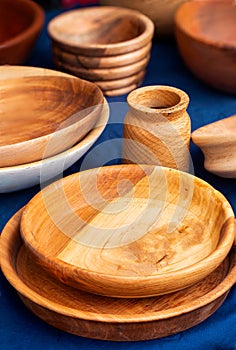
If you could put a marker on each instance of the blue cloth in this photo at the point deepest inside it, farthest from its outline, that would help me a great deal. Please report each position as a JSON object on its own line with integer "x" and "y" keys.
{"x": 19, "y": 328}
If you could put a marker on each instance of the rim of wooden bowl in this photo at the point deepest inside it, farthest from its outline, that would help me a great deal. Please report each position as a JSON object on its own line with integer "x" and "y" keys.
{"x": 7, "y": 72}
{"x": 180, "y": 19}
{"x": 103, "y": 49}
{"x": 145, "y": 286}
{"x": 34, "y": 27}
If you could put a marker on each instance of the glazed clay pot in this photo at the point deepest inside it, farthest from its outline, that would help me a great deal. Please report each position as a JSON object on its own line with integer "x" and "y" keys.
{"x": 157, "y": 127}
{"x": 161, "y": 12}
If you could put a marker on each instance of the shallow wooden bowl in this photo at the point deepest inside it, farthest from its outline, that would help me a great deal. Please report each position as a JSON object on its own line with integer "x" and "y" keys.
{"x": 161, "y": 12}
{"x": 43, "y": 113}
{"x": 101, "y": 31}
{"x": 80, "y": 61}
{"x": 129, "y": 230}
{"x": 113, "y": 319}
{"x": 20, "y": 24}
{"x": 218, "y": 143}
{"x": 19, "y": 177}
{"x": 206, "y": 37}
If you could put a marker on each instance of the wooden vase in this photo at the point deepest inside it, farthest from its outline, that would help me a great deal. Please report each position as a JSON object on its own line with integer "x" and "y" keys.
{"x": 157, "y": 127}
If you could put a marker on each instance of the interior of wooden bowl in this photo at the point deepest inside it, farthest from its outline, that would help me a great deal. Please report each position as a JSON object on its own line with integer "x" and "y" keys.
{"x": 16, "y": 19}
{"x": 32, "y": 107}
{"x": 100, "y": 26}
{"x": 127, "y": 221}
{"x": 213, "y": 22}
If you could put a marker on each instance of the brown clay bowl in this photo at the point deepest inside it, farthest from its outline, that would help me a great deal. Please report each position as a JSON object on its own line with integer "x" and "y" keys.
{"x": 101, "y": 31}
{"x": 88, "y": 62}
{"x": 161, "y": 12}
{"x": 43, "y": 113}
{"x": 129, "y": 230}
{"x": 206, "y": 37}
{"x": 20, "y": 24}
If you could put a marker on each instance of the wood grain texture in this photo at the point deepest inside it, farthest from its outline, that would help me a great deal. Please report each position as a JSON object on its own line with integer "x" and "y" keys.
{"x": 101, "y": 31}
{"x": 23, "y": 176}
{"x": 157, "y": 127}
{"x": 161, "y": 12}
{"x": 218, "y": 143}
{"x": 97, "y": 317}
{"x": 129, "y": 230}
{"x": 20, "y": 24}
{"x": 205, "y": 33}
{"x": 80, "y": 61}
{"x": 43, "y": 113}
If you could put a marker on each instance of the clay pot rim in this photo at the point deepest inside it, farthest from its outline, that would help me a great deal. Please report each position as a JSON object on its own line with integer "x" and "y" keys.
{"x": 35, "y": 26}
{"x": 179, "y": 25}
{"x": 145, "y": 35}
{"x": 182, "y": 104}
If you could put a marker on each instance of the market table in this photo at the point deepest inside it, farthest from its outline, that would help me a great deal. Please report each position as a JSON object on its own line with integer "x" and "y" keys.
{"x": 19, "y": 328}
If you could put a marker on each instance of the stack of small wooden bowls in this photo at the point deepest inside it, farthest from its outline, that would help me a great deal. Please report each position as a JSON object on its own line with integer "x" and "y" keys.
{"x": 48, "y": 120}
{"x": 107, "y": 45}
{"x": 124, "y": 252}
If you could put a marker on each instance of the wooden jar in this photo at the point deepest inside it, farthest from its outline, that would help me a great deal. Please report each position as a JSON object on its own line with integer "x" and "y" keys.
{"x": 157, "y": 127}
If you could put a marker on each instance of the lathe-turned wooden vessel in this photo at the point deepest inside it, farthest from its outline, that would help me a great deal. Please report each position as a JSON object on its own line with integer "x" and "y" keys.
{"x": 43, "y": 112}
{"x": 106, "y": 318}
{"x": 129, "y": 230}
{"x": 218, "y": 143}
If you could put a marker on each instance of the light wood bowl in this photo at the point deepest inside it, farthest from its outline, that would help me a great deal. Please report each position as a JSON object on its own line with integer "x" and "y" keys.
{"x": 43, "y": 113}
{"x": 129, "y": 230}
{"x": 19, "y": 177}
{"x": 81, "y": 61}
{"x": 101, "y": 31}
{"x": 218, "y": 143}
{"x": 161, "y": 12}
{"x": 205, "y": 33}
{"x": 113, "y": 319}
{"x": 20, "y": 24}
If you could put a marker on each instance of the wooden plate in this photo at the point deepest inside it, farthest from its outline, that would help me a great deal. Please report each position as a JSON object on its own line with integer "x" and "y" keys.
{"x": 129, "y": 230}
{"x": 23, "y": 176}
{"x": 105, "y": 318}
{"x": 43, "y": 113}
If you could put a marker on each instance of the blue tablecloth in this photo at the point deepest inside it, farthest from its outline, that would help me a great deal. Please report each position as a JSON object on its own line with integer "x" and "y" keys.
{"x": 19, "y": 328}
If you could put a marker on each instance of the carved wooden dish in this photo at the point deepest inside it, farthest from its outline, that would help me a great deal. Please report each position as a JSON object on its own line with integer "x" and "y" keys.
{"x": 43, "y": 113}
{"x": 218, "y": 143}
{"x": 23, "y": 176}
{"x": 205, "y": 32}
{"x": 20, "y": 24}
{"x": 101, "y": 31}
{"x": 129, "y": 230}
{"x": 113, "y": 319}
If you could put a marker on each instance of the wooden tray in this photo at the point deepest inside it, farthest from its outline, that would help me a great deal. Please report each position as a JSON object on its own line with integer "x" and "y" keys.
{"x": 105, "y": 318}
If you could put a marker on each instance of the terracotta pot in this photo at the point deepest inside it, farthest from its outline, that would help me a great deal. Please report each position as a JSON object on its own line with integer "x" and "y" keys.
{"x": 161, "y": 12}
{"x": 157, "y": 127}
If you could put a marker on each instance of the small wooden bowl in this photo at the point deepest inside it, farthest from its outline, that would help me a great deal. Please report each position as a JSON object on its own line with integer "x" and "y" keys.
{"x": 159, "y": 11}
{"x": 88, "y": 62}
{"x": 101, "y": 31}
{"x": 43, "y": 113}
{"x": 205, "y": 33}
{"x": 20, "y": 24}
{"x": 19, "y": 177}
{"x": 218, "y": 143}
{"x": 112, "y": 319}
{"x": 128, "y": 230}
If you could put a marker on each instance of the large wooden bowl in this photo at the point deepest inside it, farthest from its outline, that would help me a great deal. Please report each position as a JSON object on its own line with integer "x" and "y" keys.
{"x": 20, "y": 24}
{"x": 129, "y": 230}
{"x": 105, "y": 318}
{"x": 23, "y": 176}
{"x": 101, "y": 31}
{"x": 43, "y": 113}
{"x": 206, "y": 37}
{"x": 161, "y": 12}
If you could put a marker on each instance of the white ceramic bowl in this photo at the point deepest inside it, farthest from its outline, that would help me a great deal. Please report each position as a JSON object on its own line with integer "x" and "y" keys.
{"x": 27, "y": 175}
